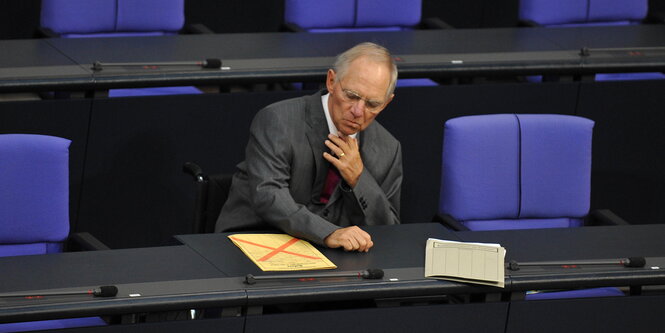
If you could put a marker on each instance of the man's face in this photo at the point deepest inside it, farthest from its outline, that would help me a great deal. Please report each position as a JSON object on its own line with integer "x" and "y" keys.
{"x": 357, "y": 98}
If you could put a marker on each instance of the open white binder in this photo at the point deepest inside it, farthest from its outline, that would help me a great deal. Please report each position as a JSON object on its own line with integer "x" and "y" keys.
{"x": 480, "y": 263}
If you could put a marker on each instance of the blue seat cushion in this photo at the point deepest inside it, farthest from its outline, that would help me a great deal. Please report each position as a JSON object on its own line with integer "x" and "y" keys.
{"x": 547, "y": 12}
{"x": 361, "y": 29}
{"x": 580, "y": 293}
{"x": 376, "y": 13}
{"x": 118, "y": 34}
{"x": 511, "y": 224}
{"x": 34, "y": 191}
{"x": 52, "y": 324}
{"x": 617, "y": 10}
{"x": 9, "y": 250}
{"x": 630, "y": 76}
{"x": 156, "y": 91}
{"x": 416, "y": 83}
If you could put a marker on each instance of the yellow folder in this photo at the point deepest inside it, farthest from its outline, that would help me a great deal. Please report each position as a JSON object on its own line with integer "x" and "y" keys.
{"x": 281, "y": 252}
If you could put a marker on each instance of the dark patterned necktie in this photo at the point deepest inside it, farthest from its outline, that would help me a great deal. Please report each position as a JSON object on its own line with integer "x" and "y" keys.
{"x": 332, "y": 179}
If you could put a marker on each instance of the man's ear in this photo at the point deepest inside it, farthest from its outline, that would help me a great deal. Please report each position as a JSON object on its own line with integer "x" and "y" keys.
{"x": 330, "y": 80}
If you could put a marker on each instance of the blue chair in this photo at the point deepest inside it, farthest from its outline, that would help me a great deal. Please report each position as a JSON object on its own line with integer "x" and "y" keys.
{"x": 356, "y": 15}
{"x": 519, "y": 171}
{"x": 34, "y": 206}
{"x": 34, "y": 194}
{"x": 345, "y": 16}
{"x": 577, "y": 13}
{"x": 117, "y": 18}
{"x": 112, "y": 18}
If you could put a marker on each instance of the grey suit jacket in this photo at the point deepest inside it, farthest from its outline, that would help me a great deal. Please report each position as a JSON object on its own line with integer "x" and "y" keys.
{"x": 279, "y": 183}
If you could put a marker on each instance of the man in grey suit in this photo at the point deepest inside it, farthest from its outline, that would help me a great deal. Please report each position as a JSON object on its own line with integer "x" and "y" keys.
{"x": 300, "y": 148}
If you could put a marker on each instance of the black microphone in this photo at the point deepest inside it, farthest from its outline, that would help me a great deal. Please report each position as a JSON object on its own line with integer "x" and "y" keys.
{"x": 103, "y": 291}
{"x": 370, "y": 273}
{"x": 626, "y": 262}
{"x": 208, "y": 63}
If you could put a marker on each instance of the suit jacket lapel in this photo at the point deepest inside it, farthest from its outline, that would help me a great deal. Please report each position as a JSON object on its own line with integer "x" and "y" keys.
{"x": 316, "y": 135}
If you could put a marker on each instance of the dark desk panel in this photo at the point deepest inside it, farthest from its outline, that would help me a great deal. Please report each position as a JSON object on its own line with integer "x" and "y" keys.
{"x": 615, "y": 314}
{"x": 489, "y": 317}
{"x": 628, "y": 145}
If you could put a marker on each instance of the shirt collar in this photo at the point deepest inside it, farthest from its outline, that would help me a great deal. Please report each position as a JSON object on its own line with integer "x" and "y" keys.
{"x": 331, "y": 126}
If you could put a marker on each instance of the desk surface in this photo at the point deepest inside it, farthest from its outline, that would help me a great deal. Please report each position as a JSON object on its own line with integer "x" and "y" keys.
{"x": 266, "y": 57}
{"x": 598, "y": 242}
{"x": 208, "y": 271}
{"x": 34, "y": 63}
{"x": 586, "y": 243}
{"x": 392, "y": 249}
{"x": 95, "y": 268}
{"x": 164, "y": 277}
{"x": 398, "y": 249}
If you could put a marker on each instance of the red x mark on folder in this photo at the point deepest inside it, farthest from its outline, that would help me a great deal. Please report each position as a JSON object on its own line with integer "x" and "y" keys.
{"x": 280, "y": 249}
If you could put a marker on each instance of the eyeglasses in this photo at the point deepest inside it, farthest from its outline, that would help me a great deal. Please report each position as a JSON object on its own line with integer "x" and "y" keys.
{"x": 351, "y": 96}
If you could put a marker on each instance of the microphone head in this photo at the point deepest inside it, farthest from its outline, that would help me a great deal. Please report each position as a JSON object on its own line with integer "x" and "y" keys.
{"x": 212, "y": 63}
{"x": 635, "y": 262}
{"x": 106, "y": 291}
{"x": 372, "y": 273}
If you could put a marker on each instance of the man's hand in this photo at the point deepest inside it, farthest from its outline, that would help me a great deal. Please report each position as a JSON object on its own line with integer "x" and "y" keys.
{"x": 346, "y": 159}
{"x": 351, "y": 238}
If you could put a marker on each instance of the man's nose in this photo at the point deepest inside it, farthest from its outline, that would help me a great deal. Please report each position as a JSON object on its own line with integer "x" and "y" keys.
{"x": 358, "y": 108}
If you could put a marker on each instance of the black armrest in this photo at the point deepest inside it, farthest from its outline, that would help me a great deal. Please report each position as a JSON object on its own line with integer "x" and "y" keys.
{"x": 194, "y": 170}
{"x": 46, "y": 33}
{"x": 604, "y": 217}
{"x": 84, "y": 241}
{"x": 528, "y": 23}
{"x": 291, "y": 27}
{"x": 435, "y": 23}
{"x": 449, "y": 222}
{"x": 197, "y": 28}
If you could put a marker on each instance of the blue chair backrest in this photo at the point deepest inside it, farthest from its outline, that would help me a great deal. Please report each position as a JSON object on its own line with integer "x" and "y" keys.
{"x": 353, "y": 15}
{"x": 583, "y": 12}
{"x": 108, "y": 18}
{"x": 34, "y": 194}
{"x": 516, "y": 171}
